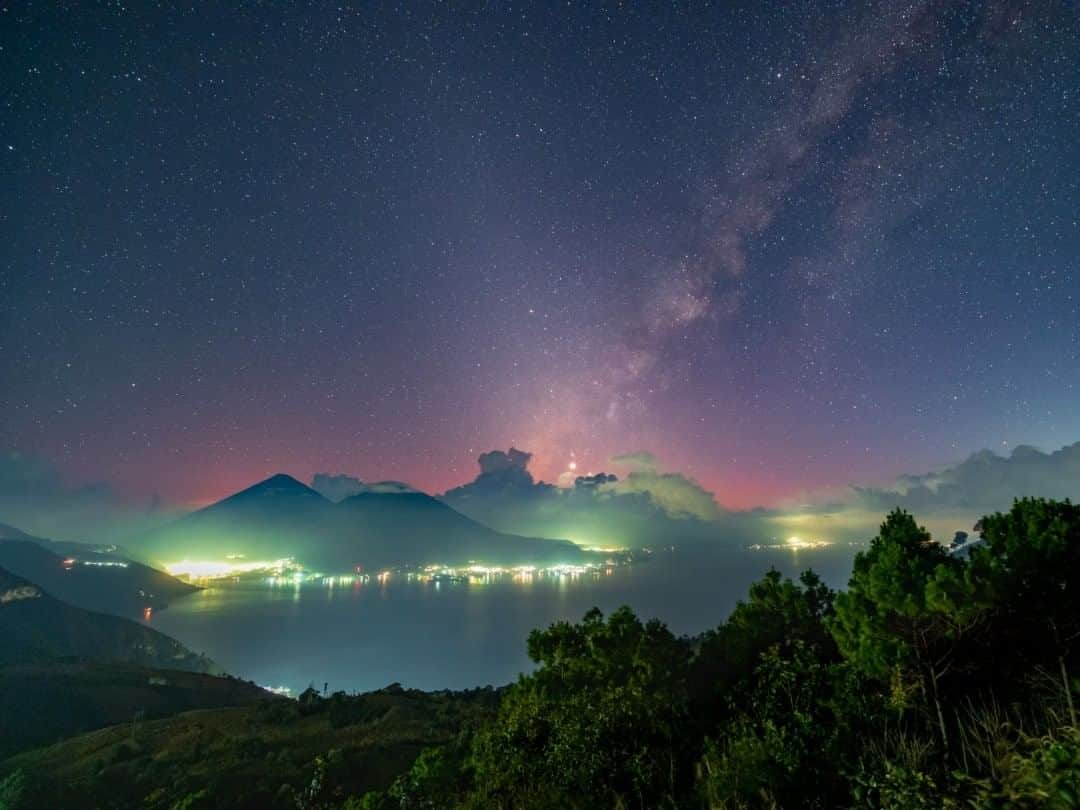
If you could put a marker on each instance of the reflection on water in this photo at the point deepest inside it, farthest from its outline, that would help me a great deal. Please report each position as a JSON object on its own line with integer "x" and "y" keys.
{"x": 433, "y": 635}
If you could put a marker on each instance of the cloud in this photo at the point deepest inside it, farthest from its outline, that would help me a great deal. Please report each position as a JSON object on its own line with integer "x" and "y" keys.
{"x": 502, "y": 472}
{"x": 598, "y": 508}
{"x": 35, "y": 498}
{"x": 497, "y": 461}
{"x": 336, "y": 487}
{"x": 592, "y": 481}
{"x": 675, "y": 494}
{"x": 339, "y": 487}
{"x": 947, "y": 500}
{"x": 985, "y": 482}
{"x": 28, "y": 476}
{"x": 640, "y": 461}
{"x": 509, "y": 469}
{"x": 388, "y": 488}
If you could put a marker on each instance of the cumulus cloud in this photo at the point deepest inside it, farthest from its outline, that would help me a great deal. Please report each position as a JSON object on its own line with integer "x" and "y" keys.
{"x": 509, "y": 469}
{"x": 28, "y": 476}
{"x": 947, "y": 500}
{"x": 646, "y": 503}
{"x": 676, "y": 495}
{"x": 984, "y": 482}
{"x": 592, "y": 481}
{"x": 599, "y": 508}
{"x": 502, "y": 472}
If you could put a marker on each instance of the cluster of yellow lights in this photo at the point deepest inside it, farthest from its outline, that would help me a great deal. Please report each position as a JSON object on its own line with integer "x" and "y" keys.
{"x": 70, "y": 561}
{"x": 287, "y": 572}
{"x": 793, "y": 543}
{"x": 218, "y": 569}
{"x": 798, "y": 542}
{"x": 480, "y": 572}
{"x": 441, "y": 573}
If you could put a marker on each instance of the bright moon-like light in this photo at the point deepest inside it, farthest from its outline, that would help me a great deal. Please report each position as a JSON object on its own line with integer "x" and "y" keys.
{"x": 572, "y": 465}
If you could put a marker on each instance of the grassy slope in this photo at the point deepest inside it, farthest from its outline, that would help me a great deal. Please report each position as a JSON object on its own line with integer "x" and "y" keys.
{"x": 43, "y": 703}
{"x": 64, "y": 670}
{"x": 245, "y": 757}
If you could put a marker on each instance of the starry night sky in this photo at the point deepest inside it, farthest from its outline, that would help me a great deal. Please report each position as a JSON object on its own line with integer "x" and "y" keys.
{"x": 782, "y": 246}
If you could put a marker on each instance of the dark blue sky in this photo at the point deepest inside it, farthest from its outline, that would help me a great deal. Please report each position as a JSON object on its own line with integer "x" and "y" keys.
{"x": 782, "y": 246}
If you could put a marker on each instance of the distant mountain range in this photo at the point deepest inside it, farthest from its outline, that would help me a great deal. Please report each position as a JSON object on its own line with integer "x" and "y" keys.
{"x": 87, "y": 578}
{"x": 282, "y": 517}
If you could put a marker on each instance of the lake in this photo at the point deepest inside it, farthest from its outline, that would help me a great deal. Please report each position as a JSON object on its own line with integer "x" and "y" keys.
{"x": 425, "y": 635}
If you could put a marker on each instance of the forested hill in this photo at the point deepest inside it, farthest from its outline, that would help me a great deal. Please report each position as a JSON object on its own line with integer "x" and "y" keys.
{"x": 64, "y": 670}
{"x": 36, "y": 627}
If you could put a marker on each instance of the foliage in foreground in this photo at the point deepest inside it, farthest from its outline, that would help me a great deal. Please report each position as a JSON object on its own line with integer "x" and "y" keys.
{"x": 932, "y": 681}
{"x": 283, "y": 754}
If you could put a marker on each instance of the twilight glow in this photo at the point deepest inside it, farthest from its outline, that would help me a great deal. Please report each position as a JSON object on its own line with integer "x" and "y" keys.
{"x": 361, "y": 243}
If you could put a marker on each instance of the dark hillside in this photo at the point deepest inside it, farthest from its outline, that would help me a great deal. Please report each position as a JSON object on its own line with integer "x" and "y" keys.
{"x": 43, "y": 703}
{"x": 122, "y": 587}
{"x": 37, "y": 628}
{"x": 260, "y": 756}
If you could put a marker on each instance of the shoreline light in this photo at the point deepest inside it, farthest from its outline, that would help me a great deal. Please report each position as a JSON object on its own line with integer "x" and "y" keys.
{"x": 793, "y": 543}
{"x": 215, "y": 569}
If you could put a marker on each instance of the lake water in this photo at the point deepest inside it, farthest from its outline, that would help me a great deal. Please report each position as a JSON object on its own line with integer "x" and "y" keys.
{"x": 360, "y": 637}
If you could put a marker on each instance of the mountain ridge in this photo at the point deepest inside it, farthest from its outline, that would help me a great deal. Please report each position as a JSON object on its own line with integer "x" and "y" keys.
{"x": 89, "y": 579}
{"x": 281, "y": 517}
{"x": 39, "y": 628}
